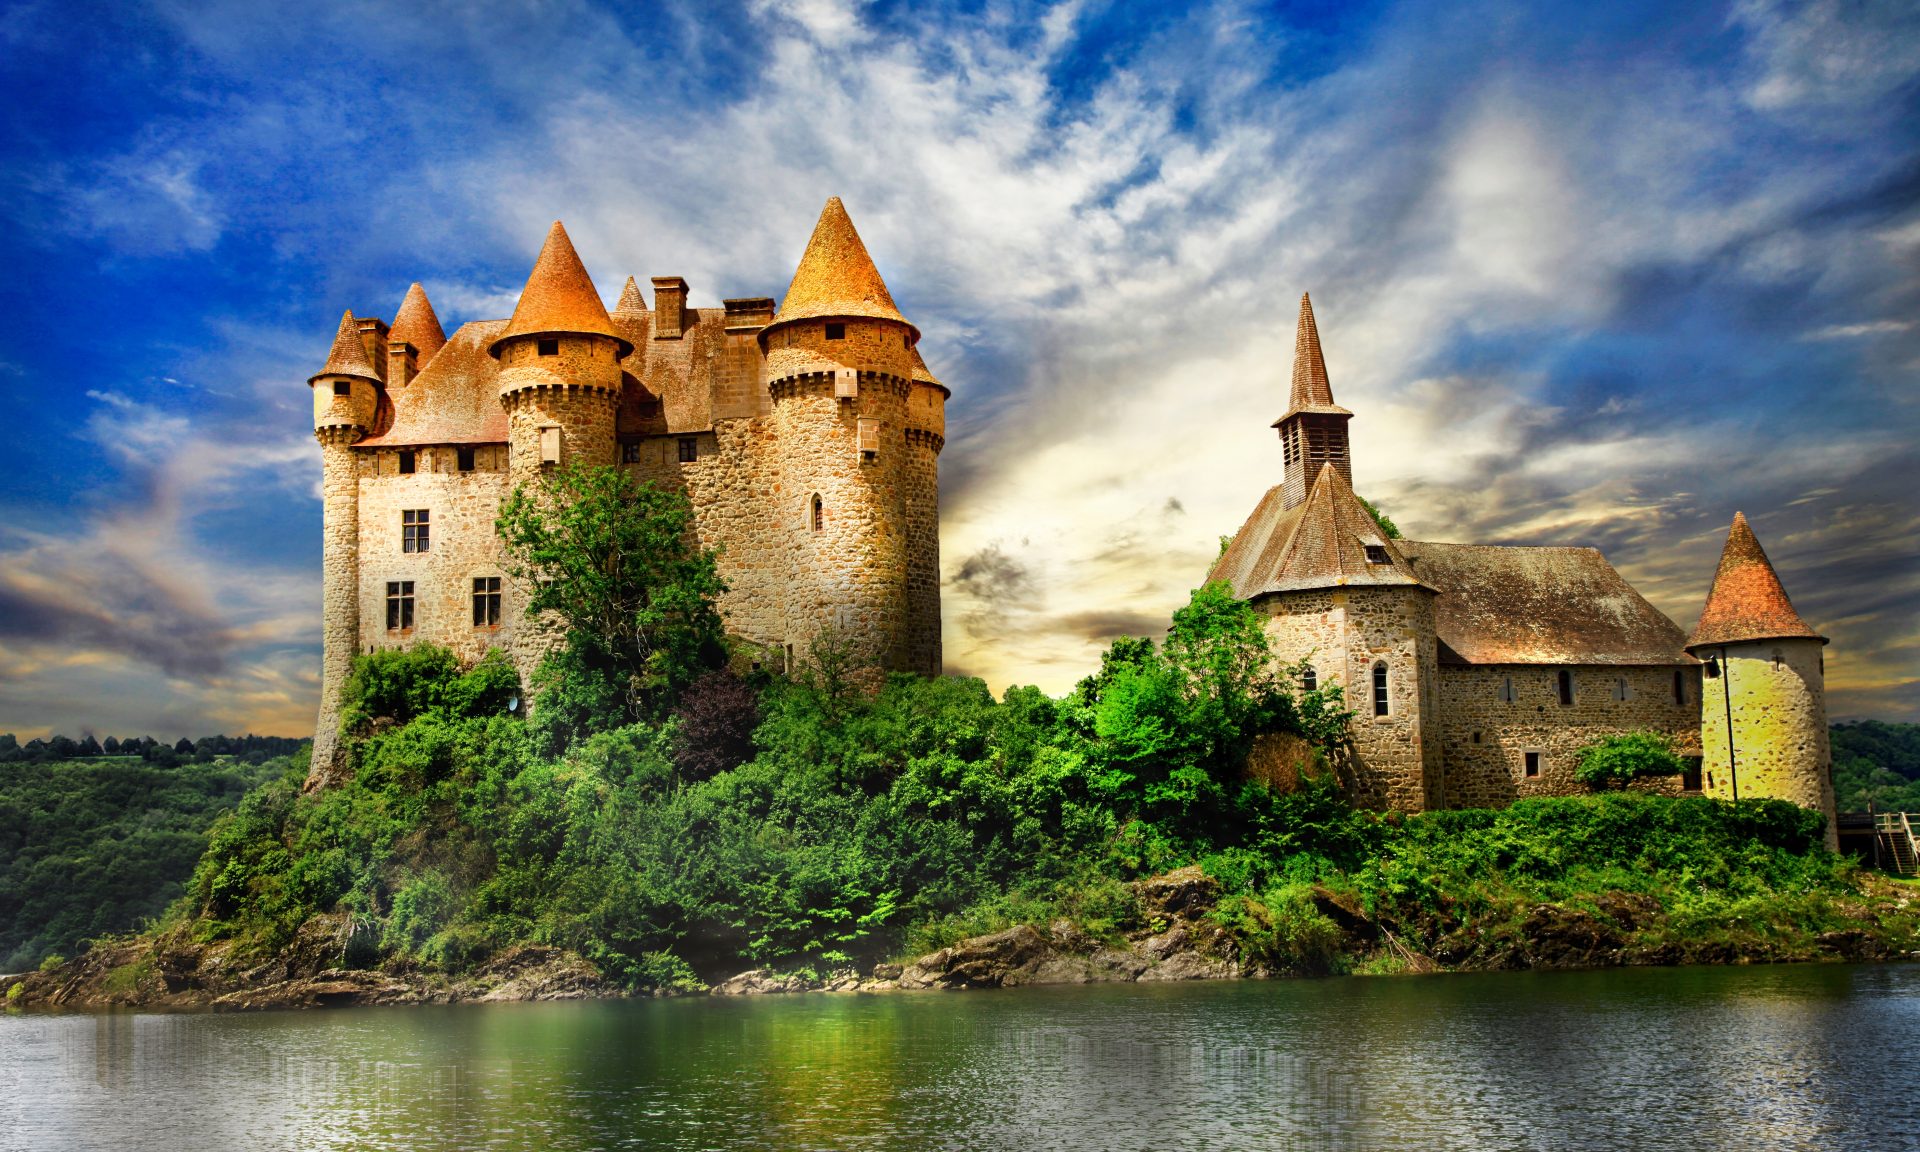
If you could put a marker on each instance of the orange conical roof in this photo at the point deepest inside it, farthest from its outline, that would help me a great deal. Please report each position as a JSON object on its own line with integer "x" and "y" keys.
{"x": 417, "y": 324}
{"x": 1747, "y": 601}
{"x": 349, "y": 356}
{"x": 559, "y": 298}
{"x": 630, "y": 298}
{"x": 1311, "y": 390}
{"x": 836, "y": 277}
{"x": 921, "y": 371}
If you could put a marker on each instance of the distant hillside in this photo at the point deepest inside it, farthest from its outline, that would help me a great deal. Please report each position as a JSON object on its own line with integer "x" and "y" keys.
{"x": 1876, "y": 761}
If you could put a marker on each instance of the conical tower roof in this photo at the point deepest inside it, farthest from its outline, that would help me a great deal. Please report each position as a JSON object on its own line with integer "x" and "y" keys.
{"x": 1311, "y": 390}
{"x": 923, "y": 373}
{"x": 559, "y": 298}
{"x": 836, "y": 277}
{"x": 1747, "y": 601}
{"x": 417, "y": 324}
{"x": 630, "y": 298}
{"x": 1322, "y": 542}
{"x": 349, "y": 356}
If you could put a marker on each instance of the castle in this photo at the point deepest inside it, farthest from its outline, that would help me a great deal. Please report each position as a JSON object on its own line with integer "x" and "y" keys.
{"x": 1478, "y": 672}
{"x": 807, "y": 440}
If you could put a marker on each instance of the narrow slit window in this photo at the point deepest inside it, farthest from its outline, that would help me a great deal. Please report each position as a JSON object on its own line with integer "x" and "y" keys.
{"x": 413, "y": 530}
{"x": 549, "y": 347}
{"x": 1564, "y": 679}
{"x": 407, "y": 463}
{"x": 689, "y": 449}
{"x": 1380, "y": 700}
{"x": 486, "y": 601}
{"x": 465, "y": 458}
{"x": 1309, "y": 679}
{"x": 1679, "y": 686}
{"x": 1531, "y": 763}
{"x": 836, "y": 331}
{"x": 817, "y": 515}
{"x": 399, "y": 605}
{"x": 1476, "y": 735}
{"x": 1622, "y": 691}
{"x": 1506, "y": 689}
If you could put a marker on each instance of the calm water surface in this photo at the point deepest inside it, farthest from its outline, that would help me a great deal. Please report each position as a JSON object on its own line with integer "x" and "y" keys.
{"x": 1746, "y": 1058}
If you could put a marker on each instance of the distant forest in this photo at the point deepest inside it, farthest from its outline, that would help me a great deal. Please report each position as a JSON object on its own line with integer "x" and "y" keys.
{"x": 250, "y": 748}
{"x": 1876, "y": 762}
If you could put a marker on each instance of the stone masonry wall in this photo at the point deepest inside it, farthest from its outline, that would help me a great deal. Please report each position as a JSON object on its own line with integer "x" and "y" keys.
{"x": 339, "y": 587}
{"x": 1485, "y": 738}
{"x": 1780, "y": 743}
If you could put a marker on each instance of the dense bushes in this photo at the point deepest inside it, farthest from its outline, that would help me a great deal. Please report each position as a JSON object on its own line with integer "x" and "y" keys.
{"x": 1627, "y": 756}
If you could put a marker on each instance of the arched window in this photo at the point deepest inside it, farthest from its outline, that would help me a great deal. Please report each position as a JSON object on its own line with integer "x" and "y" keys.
{"x": 1565, "y": 679}
{"x": 1380, "y": 689}
{"x": 817, "y": 515}
{"x": 1309, "y": 679}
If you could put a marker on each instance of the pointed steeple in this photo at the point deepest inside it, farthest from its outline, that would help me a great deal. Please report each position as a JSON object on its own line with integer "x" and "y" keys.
{"x": 1747, "y": 601}
{"x": 1311, "y": 390}
{"x": 559, "y": 298}
{"x": 836, "y": 277}
{"x": 417, "y": 324}
{"x": 630, "y": 298}
{"x": 349, "y": 356}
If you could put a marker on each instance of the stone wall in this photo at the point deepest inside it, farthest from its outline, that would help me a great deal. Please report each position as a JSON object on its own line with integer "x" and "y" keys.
{"x": 339, "y": 589}
{"x": 1779, "y": 736}
{"x": 1485, "y": 737}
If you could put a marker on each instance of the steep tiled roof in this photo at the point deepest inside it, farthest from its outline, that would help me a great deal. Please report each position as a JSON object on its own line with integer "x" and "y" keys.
{"x": 349, "y": 356}
{"x": 1312, "y": 392}
{"x": 1500, "y": 605}
{"x": 1747, "y": 601}
{"x": 559, "y": 297}
{"x": 1320, "y": 543}
{"x": 416, "y": 324}
{"x": 456, "y": 398}
{"x": 676, "y": 374}
{"x": 925, "y": 375}
{"x": 630, "y": 298}
{"x": 836, "y": 277}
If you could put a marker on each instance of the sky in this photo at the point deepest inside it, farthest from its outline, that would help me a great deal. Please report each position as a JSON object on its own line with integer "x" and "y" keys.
{"x": 1586, "y": 274}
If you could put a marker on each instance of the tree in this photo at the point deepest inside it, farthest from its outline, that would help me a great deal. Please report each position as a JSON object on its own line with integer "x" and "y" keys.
{"x": 183, "y": 747}
{"x": 717, "y": 714}
{"x": 1387, "y": 527}
{"x": 614, "y": 563}
{"x": 1614, "y": 760}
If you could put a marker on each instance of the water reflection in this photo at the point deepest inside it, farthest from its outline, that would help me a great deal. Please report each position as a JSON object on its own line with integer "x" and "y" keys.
{"x": 1785, "y": 1057}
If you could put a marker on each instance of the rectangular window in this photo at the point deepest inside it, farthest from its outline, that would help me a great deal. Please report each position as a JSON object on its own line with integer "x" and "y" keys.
{"x": 407, "y": 463}
{"x": 1532, "y": 763}
{"x": 465, "y": 456}
{"x": 1679, "y": 686}
{"x": 1564, "y": 679}
{"x": 1476, "y": 735}
{"x": 1377, "y": 554}
{"x": 399, "y": 605}
{"x": 630, "y": 452}
{"x": 689, "y": 449}
{"x": 413, "y": 530}
{"x": 549, "y": 347}
{"x": 836, "y": 331}
{"x": 1690, "y": 777}
{"x": 550, "y": 445}
{"x": 486, "y": 601}
{"x": 342, "y": 388}
{"x": 1381, "y": 699}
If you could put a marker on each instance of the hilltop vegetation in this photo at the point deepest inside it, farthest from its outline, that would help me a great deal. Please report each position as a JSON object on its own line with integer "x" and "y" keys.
{"x": 1877, "y": 762}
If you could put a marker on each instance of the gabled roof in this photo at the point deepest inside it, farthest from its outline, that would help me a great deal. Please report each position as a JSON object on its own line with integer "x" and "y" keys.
{"x": 1747, "y": 601}
{"x": 1503, "y": 605}
{"x": 559, "y": 298}
{"x": 1320, "y": 543}
{"x": 836, "y": 277}
{"x": 348, "y": 356}
{"x": 630, "y": 298}
{"x": 455, "y": 399}
{"x": 1312, "y": 392}
{"x": 417, "y": 324}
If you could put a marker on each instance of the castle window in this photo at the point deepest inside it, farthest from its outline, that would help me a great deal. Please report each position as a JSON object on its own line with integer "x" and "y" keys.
{"x": 413, "y": 530}
{"x": 1380, "y": 690}
{"x": 1377, "y": 554}
{"x": 550, "y": 444}
{"x": 1506, "y": 689}
{"x": 407, "y": 463}
{"x": 1564, "y": 679}
{"x": 399, "y": 605}
{"x": 486, "y": 601}
{"x": 1776, "y": 659}
{"x": 1690, "y": 776}
{"x": 1530, "y": 763}
{"x": 1622, "y": 691}
{"x": 836, "y": 331}
{"x": 549, "y": 347}
{"x": 1711, "y": 669}
{"x": 1679, "y": 686}
{"x": 689, "y": 449}
{"x": 630, "y": 452}
{"x": 1309, "y": 679}
{"x": 342, "y": 388}
{"x": 818, "y": 517}
{"x": 465, "y": 456}
{"x": 1476, "y": 735}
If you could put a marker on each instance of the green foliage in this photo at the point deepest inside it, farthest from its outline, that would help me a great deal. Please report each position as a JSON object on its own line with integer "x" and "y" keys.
{"x": 613, "y": 560}
{"x": 402, "y": 683}
{"x": 52, "y": 961}
{"x": 1626, "y": 756}
{"x": 1387, "y": 527}
{"x": 1876, "y": 763}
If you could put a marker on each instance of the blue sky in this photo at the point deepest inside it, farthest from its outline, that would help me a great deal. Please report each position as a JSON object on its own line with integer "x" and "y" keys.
{"x": 1595, "y": 277}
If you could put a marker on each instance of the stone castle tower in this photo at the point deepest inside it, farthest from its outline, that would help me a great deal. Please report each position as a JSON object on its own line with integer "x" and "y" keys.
{"x": 1763, "y": 712}
{"x": 806, "y": 439}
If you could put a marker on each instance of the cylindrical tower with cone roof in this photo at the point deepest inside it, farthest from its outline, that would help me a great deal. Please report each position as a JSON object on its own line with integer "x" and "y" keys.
{"x": 840, "y": 369}
{"x": 926, "y": 435}
{"x": 1763, "y": 711}
{"x": 348, "y": 399}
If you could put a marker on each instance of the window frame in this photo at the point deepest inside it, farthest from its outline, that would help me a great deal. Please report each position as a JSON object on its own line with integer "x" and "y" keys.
{"x": 466, "y": 458}
{"x": 400, "y": 605}
{"x": 487, "y": 602}
{"x": 1382, "y": 691}
{"x": 415, "y": 531}
{"x": 1533, "y": 761}
{"x": 1309, "y": 679}
{"x": 689, "y": 449}
{"x": 409, "y": 461}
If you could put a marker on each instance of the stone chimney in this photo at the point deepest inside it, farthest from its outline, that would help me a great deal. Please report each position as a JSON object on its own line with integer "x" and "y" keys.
{"x": 669, "y": 307}
{"x": 401, "y": 366}
{"x": 373, "y": 337}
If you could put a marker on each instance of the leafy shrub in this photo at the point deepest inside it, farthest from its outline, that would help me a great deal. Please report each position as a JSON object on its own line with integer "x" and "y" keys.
{"x": 1617, "y": 759}
{"x": 717, "y": 715}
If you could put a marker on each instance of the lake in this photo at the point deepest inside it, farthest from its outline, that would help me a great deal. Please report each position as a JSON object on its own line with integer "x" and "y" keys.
{"x": 1697, "y": 1058}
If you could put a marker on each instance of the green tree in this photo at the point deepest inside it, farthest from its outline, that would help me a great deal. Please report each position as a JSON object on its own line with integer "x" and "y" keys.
{"x": 1387, "y": 527}
{"x": 1617, "y": 759}
{"x": 614, "y": 562}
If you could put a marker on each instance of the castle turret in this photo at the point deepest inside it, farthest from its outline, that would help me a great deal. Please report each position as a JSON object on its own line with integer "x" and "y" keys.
{"x": 1763, "y": 712}
{"x": 926, "y": 435}
{"x": 349, "y": 399}
{"x": 415, "y": 337}
{"x": 560, "y": 367}
{"x": 840, "y": 370}
{"x": 1313, "y": 433}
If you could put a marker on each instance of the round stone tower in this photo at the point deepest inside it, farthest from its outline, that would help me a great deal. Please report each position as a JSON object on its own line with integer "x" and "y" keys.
{"x": 926, "y": 435}
{"x": 349, "y": 399}
{"x": 840, "y": 367}
{"x": 1763, "y": 711}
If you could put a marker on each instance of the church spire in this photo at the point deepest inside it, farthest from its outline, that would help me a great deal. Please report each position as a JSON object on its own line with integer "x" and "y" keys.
{"x": 1310, "y": 386}
{"x": 1747, "y": 601}
{"x": 1313, "y": 433}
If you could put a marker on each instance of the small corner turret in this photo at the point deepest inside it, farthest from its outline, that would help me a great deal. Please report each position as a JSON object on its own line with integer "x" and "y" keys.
{"x": 415, "y": 338}
{"x": 1313, "y": 433}
{"x": 347, "y": 391}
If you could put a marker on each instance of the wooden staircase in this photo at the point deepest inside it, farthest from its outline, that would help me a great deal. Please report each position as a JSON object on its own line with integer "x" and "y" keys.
{"x": 1894, "y": 848}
